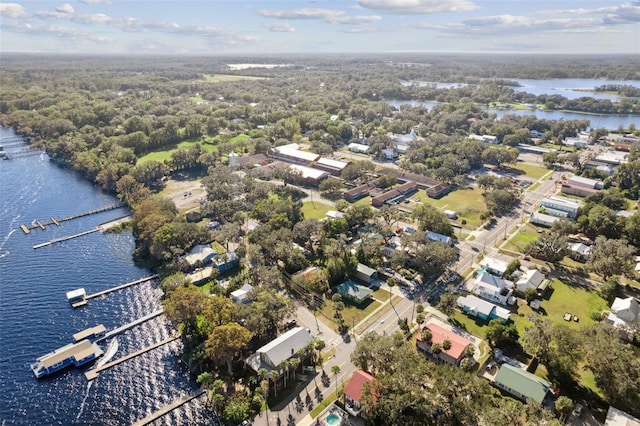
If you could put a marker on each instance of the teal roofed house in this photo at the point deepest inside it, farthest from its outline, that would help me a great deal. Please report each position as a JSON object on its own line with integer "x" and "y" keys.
{"x": 521, "y": 384}
{"x": 354, "y": 292}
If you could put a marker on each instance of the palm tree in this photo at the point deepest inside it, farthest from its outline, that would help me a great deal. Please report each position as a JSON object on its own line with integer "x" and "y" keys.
{"x": 273, "y": 375}
{"x": 294, "y": 362}
{"x": 446, "y": 344}
{"x": 391, "y": 282}
{"x": 336, "y": 370}
{"x": 284, "y": 367}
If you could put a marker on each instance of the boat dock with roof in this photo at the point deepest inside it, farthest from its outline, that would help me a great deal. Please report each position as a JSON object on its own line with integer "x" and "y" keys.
{"x": 79, "y": 296}
{"x": 91, "y": 333}
{"x": 76, "y": 354}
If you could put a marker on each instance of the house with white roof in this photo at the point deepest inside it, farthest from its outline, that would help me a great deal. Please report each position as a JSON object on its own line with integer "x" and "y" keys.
{"x": 579, "y": 251}
{"x": 543, "y": 219}
{"x": 434, "y": 236}
{"x": 358, "y": 148}
{"x": 494, "y": 266}
{"x": 241, "y": 295}
{"x": 624, "y": 311}
{"x": 282, "y": 348}
{"x": 533, "y": 279}
{"x": 614, "y": 158}
{"x": 476, "y": 307}
{"x": 493, "y": 289}
{"x": 556, "y": 205}
{"x": 200, "y": 254}
{"x": 405, "y": 139}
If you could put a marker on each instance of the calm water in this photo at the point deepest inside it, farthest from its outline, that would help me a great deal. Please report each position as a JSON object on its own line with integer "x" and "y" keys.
{"x": 571, "y": 88}
{"x": 610, "y": 121}
{"x": 35, "y": 317}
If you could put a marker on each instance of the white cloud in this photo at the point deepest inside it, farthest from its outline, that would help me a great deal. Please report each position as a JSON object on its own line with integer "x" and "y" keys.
{"x": 13, "y": 10}
{"x": 409, "y": 7}
{"x": 96, "y": 1}
{"x": 65, "y": 8}
{"x": 518, "y": 24}
{"x": 65, "y": 32}
{"x": 325, "y": 14}
{"x": 280, "y": 27}
{"x": 331, "y": 16}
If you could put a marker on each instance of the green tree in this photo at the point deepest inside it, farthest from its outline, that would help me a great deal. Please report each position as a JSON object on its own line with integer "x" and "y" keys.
{"x": 610, "y": 257}
{"x": 335, "y": 370}
{"x": 498, "y": 334}
{"x": 431, "y": 219}
{"x": 564, "y": 405}
{"x": 225, "y": 342}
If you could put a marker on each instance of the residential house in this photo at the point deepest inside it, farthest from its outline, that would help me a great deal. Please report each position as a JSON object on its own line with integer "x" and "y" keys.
{"x": 354, "y": 292}
{"x": 556, "y": 205}
{"x": 533, "y": 279}
{"x": 365, "y": 273}
{"x": 579, "y": 251}
{"x": 617, "y": 417}
{"x": 625, "y": 316}
{"x": 603, "y": 169}
{"x": 241, "y": 295}
{"x": 284, "y": 347}
{"x": 493, "y": 288}
{"x": 200, "y": 255}
{"x": 494, "y": 266}
{"x": 405, "y": 139}
{"x": 522, "y": 384}
{"x": 434, "y": 236}
{"x": 353, "y": 391}
{"x": 389, "y": 153}
{"x": 334, "y": 214}
{"x": 358, "y": 148}
{"x": 543, "y": 219}
{"x": 226, "y": 261}
{"x": 439, "y": 334}
{"x": 476, "y": 307}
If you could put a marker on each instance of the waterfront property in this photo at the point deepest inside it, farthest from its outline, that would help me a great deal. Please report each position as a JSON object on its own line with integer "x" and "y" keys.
{"x": 522, "y": 384}
{"x": 284, "y": 347}
{"x": 77, "y": 297}
{"x": 72, "y": 354}
{"x": 91, "y": 333}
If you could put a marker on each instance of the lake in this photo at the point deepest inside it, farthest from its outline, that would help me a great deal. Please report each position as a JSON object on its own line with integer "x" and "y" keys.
{"x": 35, "y": 317}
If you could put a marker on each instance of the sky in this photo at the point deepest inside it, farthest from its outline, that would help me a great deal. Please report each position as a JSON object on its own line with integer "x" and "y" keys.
{"x": 210, "y": 27}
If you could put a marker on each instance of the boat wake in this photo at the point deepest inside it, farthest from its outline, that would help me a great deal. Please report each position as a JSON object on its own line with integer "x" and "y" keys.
{"x": 109, "y": 353}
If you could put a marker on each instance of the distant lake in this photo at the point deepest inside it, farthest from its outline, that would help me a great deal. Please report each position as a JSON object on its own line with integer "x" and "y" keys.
{"x": 611, "y": 121}
{"x": 570, "y": 88}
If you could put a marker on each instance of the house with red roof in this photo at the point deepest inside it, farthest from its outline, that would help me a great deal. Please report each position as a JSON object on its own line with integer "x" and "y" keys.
{"x": 353, "y": 391}
{"x": 435, "y": 335}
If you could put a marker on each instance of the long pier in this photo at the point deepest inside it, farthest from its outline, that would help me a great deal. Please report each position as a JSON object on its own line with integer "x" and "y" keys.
{"x": 93, "y": 374}
{"x": 169, "y": 408}
{"x": 120, "y": 287}
{"x": 131, "y": 325}
{"x": 54, "y": 221}
{"x": 59, "y": 240}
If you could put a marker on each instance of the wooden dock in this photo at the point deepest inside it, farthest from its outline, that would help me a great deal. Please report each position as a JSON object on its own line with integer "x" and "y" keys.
{"x": 93, "y": 374}
{"x": 130, "y": 325}
{"x": 56, "y": 221}
{"x": 169, "y": 408}
{"x": 67, "y": 238}
{"x": 120, "y": 287}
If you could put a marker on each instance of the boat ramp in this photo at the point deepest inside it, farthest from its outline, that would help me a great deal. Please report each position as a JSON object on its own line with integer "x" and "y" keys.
{"x": 79, "y": 296}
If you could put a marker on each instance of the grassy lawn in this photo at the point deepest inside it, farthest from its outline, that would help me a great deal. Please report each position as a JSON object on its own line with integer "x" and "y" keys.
{"x": 468, "y": 203}
{"x": 323, "y": 404}
{"x": 532, "y": 171}
{"x": 534, "y": 186}
{"x": 352, "y": 314}
{"x": 520, "y": 241}
{"x": 220, "y": 78}
{"x": 197, "y": 99}
{"x": 315, "y": 209}
{"x": 565, "y": 298}
{"x": 364, "y": 201}
{"x": 162, "y": 156}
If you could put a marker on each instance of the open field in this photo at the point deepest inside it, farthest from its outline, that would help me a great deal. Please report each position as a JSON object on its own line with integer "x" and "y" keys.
{"x": 315, "y": 209}
{"x": 467, "y": 202}
{"x": 165, "y": 155}
{"x": 522, "y": 239}
{"x": 534, "y": 172}
{"x": 221, "y": 78}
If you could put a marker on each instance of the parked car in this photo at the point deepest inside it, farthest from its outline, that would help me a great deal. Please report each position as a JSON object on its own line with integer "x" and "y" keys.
{"x": 577, "y": 411}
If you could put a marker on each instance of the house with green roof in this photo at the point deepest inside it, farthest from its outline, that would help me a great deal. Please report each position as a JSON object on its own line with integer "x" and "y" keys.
{"x": 354, "y": 292}
{"x": 521, "y": 384}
